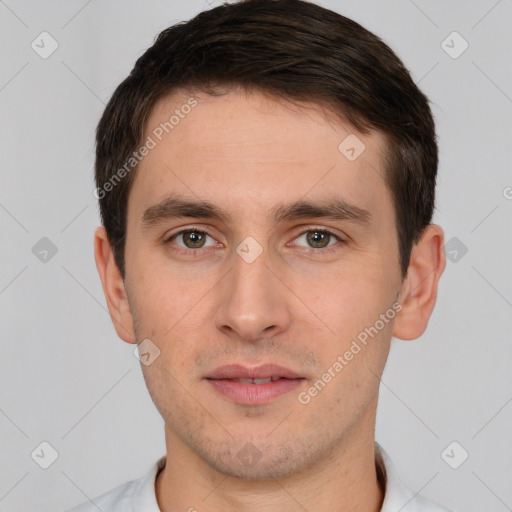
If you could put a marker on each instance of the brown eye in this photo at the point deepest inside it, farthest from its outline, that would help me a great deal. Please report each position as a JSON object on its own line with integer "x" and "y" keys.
{"x": 318, "y": 239}
{"x": 192, "y": 239}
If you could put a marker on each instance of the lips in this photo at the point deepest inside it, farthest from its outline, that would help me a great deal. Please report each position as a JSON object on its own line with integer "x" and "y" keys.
{"x": 254, "y": 386}
{"x": 256, "y": 381}
{"x": 258, "y": 375}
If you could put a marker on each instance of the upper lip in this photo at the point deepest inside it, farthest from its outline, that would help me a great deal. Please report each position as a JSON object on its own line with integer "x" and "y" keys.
{"x": 237, "y": 371}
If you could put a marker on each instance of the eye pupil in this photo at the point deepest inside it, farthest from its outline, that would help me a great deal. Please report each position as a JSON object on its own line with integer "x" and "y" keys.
{"x": 317, "y": 239}
{"x": 194, "y": 239}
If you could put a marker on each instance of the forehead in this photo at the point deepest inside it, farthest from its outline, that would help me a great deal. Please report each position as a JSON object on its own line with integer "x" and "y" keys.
{"x": 247, "y": 150}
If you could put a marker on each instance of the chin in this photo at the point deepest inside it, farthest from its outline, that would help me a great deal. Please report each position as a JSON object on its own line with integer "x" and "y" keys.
{"x": 256, "y": 462}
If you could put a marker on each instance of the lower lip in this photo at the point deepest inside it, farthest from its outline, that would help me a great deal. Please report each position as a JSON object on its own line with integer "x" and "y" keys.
{"x": 254, "y": 394}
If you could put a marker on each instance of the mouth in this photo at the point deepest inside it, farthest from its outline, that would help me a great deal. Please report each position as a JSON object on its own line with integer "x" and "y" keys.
{"x": 263, "y": 372}
{"x": 255, "y": 381}
{"x": 254, "y": 386}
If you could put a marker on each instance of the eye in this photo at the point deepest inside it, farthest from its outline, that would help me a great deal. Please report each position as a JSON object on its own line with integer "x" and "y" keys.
{"x": 192, "y": 239}
{"x": 317, "y": 238}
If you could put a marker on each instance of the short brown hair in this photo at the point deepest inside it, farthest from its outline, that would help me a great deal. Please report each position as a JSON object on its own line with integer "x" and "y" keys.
{"x": 292, "y": 49}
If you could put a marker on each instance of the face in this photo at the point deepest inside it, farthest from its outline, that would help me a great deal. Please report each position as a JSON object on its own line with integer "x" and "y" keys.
{"x": 291, "y": 254}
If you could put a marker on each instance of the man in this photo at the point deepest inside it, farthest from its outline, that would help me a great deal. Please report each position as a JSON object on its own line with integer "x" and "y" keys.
{"x": 266, "y": 177}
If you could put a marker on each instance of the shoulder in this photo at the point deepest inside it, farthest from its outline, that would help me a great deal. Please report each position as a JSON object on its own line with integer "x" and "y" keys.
{"x": 397, "y": 496}
{"x": 419, "y": 503}
{"x": 114, "y": 500}
{"x": 133, "y": 495}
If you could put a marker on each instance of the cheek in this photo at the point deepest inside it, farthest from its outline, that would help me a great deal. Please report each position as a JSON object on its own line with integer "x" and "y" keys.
{"x": 357, "y": 366}
{"x": 174, "y": 315}
{"x": 347, "y": 301}
{"x": 165, "y": 386}
{"x": 162, "y": 297}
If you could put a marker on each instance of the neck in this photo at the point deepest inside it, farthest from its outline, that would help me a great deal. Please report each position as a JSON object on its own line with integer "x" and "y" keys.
{"x": 346, "y": 480}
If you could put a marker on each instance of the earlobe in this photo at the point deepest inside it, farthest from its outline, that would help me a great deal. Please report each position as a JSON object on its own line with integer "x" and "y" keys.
{"x": 113, "y": 287}
{"x": 419, "y": 289}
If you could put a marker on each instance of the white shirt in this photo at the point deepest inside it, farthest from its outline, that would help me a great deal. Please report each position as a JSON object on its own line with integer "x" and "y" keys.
{"x": 139, "y": 495}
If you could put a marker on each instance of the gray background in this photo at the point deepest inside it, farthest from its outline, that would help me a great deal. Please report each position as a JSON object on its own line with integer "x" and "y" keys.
{"x": 65, "y": 377}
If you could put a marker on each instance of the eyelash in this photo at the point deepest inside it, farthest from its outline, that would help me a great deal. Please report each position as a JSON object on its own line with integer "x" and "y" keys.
{"x": 307, "y": 250}
{"x": 314, "y": 250}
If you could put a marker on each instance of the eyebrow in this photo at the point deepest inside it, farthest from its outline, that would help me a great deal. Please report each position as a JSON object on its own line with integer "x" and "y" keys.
{"x": 174, "y": 207}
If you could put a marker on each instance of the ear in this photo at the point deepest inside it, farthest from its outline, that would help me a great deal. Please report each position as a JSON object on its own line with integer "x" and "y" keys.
{"x": 419, "y": 288}
{"x": 113, "y": 287}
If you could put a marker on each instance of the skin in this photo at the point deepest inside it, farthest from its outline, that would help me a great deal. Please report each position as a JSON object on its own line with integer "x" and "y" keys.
{"x": 249, "y": 153}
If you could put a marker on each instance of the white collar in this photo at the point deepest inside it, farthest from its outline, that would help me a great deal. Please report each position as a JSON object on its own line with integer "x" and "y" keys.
{"x": 397, "y": 498}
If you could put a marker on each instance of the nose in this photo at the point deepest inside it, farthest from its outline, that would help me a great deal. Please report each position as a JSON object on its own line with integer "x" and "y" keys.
{"x": 253, "y": 303}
